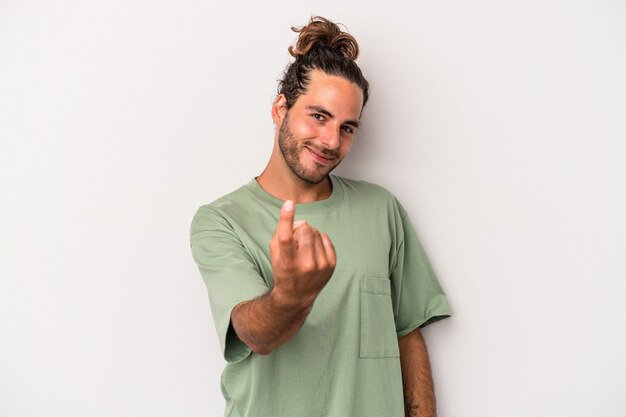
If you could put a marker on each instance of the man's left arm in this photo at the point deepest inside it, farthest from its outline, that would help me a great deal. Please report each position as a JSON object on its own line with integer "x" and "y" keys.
{"x": 419, "y": 393}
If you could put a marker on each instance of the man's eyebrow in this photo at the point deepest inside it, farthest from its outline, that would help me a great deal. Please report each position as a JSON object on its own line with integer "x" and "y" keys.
{"x": 321, "y": 110}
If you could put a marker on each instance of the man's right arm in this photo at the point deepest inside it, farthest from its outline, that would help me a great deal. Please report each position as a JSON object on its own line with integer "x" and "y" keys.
{"x": 303, "y": 260}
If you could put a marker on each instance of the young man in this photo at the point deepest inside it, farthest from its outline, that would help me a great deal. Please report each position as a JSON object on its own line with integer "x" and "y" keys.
{"x": 318, "y": 284}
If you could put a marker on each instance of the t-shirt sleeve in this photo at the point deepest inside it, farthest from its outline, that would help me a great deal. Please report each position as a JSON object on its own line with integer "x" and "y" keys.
{"x": 418, "y": 298}
{"x": 229, "y": 274}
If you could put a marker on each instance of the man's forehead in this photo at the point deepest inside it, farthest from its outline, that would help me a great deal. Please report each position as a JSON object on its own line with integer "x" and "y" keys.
{"x": 334, "y": 94}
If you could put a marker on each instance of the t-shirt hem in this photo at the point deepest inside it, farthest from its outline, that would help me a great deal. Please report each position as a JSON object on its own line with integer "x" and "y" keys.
{"x": 423, "y": 323}
{"x": 234, "y": 349}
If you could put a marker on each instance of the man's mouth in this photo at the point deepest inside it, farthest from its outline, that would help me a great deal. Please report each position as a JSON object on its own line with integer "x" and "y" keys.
{"x": 320, "y": 156}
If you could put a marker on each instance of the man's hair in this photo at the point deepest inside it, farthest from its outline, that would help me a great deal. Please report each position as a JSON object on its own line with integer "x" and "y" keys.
{"x": 323, "y": 46}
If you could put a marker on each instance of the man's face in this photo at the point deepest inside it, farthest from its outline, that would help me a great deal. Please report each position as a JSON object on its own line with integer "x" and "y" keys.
{"x": 317, "y": 132}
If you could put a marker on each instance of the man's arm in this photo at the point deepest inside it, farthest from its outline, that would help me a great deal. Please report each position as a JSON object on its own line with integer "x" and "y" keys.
{"x": 303, "y": 260}
{"x": 419, "y": 394}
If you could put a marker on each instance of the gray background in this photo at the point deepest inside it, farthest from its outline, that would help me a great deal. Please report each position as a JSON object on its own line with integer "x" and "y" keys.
{"x": 500, "y": 125}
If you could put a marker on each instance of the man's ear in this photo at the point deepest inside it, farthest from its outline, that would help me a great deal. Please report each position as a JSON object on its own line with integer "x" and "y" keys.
{"x": 279, "y": 109}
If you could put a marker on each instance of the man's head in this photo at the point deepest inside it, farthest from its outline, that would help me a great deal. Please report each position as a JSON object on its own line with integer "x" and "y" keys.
{"x": 316, "y": 133}
{"x": 320, "y": 101}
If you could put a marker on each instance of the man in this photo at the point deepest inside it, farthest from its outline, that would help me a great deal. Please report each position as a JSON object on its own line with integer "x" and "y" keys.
{"x": 318, "y": 284}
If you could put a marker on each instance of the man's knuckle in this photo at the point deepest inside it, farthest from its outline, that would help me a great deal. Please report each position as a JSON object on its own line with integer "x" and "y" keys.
{"x": 283, "y": 240}
{"x": 305, "y": 229}
{"x": 309, "y": 266}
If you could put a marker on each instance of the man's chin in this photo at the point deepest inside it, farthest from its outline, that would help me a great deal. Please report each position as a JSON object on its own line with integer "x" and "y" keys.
{"x": 316, "y": 174}
{"x": 314, "y": 178}
{"x": 320, "y": 176}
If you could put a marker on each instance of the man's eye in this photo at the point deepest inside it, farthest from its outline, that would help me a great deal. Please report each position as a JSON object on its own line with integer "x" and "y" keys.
{"x": 348, "y": 129}
{"x": 318, "y": 116}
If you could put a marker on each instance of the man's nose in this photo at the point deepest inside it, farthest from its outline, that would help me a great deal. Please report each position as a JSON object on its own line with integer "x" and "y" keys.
{"x": 331, "y": 137}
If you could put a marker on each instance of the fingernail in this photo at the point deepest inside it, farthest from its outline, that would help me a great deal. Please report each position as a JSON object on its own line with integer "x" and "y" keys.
{"x": 288, "y": 205}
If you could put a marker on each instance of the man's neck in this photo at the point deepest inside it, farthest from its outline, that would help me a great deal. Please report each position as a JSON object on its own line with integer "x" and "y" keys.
{"x": 293, "y": 188}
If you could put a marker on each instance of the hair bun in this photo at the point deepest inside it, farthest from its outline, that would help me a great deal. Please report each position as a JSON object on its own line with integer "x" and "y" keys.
{"x": 321, "y": 32}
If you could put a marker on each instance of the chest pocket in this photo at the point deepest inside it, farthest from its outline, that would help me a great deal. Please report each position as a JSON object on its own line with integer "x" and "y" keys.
{"x": 378, "y": 329}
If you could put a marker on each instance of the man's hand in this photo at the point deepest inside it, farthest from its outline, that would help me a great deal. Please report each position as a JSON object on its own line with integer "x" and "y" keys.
{"x": 303, "y": 259}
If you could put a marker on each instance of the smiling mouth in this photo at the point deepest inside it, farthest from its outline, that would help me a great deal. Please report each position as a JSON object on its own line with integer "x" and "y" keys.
{"x": 319, "y": 157}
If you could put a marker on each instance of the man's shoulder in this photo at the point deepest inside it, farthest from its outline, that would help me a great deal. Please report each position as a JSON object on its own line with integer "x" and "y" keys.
{"x": 364, "y": 189}
{"x": 370, "y": 197}
{"x": 222, "y": 208}
{"x": 233, "y": 198}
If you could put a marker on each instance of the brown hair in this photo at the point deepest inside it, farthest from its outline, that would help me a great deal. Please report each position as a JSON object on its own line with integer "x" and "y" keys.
{"x": 323, "y": 46}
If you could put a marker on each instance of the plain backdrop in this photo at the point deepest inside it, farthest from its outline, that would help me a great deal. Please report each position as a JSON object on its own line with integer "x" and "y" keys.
{"x": 500, "y": 125}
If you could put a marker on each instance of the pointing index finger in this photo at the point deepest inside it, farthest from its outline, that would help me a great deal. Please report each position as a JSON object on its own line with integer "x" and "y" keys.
{"x": 284, "y": 230}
